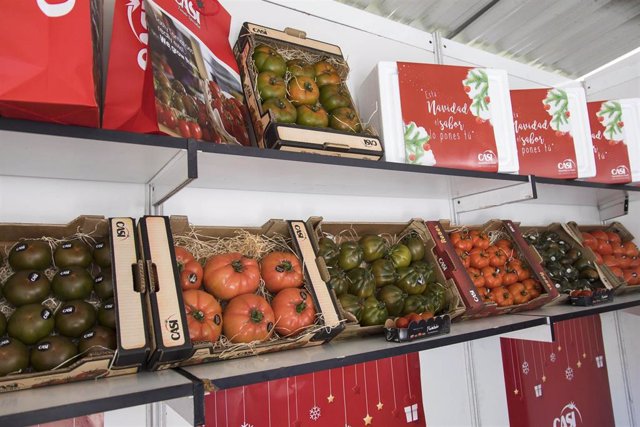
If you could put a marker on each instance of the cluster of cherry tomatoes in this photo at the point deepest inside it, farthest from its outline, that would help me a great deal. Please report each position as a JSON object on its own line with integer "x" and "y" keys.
{"x": 405, "y": 321}
{"x": 623, "y": 258}
{"x": 230, "y": 302}
{"x": 497, "y": 273}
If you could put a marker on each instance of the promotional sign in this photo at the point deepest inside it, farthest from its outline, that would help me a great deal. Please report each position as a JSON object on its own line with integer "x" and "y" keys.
{"x": 458, "y": 117}
{"x": 615, "y": 130}
{"x": 383, "y": 393}
{"x": 559, "y": 384}
{"x": 552, "y": 133}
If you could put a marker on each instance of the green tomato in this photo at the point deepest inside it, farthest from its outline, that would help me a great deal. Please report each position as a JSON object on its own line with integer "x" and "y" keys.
{"x": 352, "y": 304}
{"x": 361, "y": 282}
{"x": 416, "y": 247}
{"x": 328, "y": 250}
{"x": 412, "y": 304}
{"x": 313, "y": 116}
{"x": 271, "y": 86}
{"x": 374, "y": 312}
{"x": 338, "y": 282}
{"x": 411, "y": 280}
{"x": 334, "y": 96}
{"x": 425, "y": 269}
{"x": 393, "y": 297}
{"x": 283, "y": 111}
{"x": 373, "y": 247}
{"x": 270, "y": 61}
{"x": 436, "y": 298}
{"x": 350, "y": 256}
{"x": 400, "y": 255}
{"x": 384, "y": 272}
{"x": 299, "y": 68}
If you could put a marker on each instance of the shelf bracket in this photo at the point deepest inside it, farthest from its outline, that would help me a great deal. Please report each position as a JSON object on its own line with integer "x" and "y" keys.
{"x": 516, "y": 192}
{"x": 176, "y": 174}
{"x": 613, "y": 207}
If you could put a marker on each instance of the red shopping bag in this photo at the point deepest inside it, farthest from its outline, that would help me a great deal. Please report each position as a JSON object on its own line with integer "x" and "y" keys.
{"x": 49, "y": 60}
{"x": 172, "y": 70}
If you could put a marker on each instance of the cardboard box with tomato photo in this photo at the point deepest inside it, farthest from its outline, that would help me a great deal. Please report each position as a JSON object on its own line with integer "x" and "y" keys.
{"x": 616, "y": 254}
{"x": 72, "y": 303}
{"x": 379, "y": 271}
{"x": 229, "y": 292}
{"x": 297, "y": 96}
{"x": 572, "y": 268}
{"x": 492, "y": 266}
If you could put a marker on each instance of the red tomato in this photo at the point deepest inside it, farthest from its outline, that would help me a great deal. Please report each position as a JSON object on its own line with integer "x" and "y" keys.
{"x": 170, "y": 120}
{"x": 426, "y": 315}
{"x": 635, "y": 262}
{"x": 630, "y": 249}
{"x": 281, "y": 270}
{"x": 617, "y": 271}
{"x": 492, "y": 277}
{"x": 402, "y": 322}
{"x": 523, "y": 273}
{"x": 589, "y": 240}
{"x": 190, "y": 270}
{"x": 617, "y": 248}
{"x": 229, "y": 275}
{"x": 505, "y": 245}
{"x": 631, "y": 276}
{"x": 623, "y": 261}
{"x": 195, "y": 130}
{"x": 464, "y": 256}
{"x": 599, "y": 259}
{"x": 204, "y": 315}
{"x": 498, "y": 258}
{"x": 479, "y": 239}
{"x": 476, "y": 277}
{"x": 510, "y": 276}
{"x": 294, "y": 311}
{"x": 604, "y": 248}
{"x": 248, "y": 318}
{"x": 183, "y": 128}
{"x": 461, "y": 240}
{"x": 613, "y": 237}
{"x": 413, "y": 317}
{"x": 610, "y": 261}
{"x": 479, "y": 259}
{"x": 600, "y": 235}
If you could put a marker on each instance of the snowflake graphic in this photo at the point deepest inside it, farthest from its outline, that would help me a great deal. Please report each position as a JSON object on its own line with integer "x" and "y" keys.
{"x": 525, "y": 367}
{"x": 314, "y": 413}
{"x": 568, "y": 373}
{"x": 552, "y": 357}
{"x": 246, "y": 424}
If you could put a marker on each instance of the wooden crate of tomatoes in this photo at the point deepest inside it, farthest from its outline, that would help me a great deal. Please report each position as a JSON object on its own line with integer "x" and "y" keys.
{"x": 380, "y": 271}
{"x": 492, "y": 266}
{"x": 297, "y": 95}
{"x": 615, "y": 252}
{"x": 247, "y": 291}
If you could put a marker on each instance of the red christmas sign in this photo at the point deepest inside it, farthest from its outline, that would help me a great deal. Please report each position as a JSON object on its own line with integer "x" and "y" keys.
{"x": 542, "y": 122}
{"x": 383, "y": 393}
{"x": 445, "y": 110}
{"x": 559, "y": 384}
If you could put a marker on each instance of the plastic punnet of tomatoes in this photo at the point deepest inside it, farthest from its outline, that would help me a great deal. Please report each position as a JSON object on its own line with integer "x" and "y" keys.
{"x": 297, "y": 95}
{"x": 59, "y": 307}
{"x": 379, "y": 271}
{"x": 250, "y": 290}
{"x": 571, "y": 268}
{"x": 492, "y": 266}
{"x": 615, "y": 252}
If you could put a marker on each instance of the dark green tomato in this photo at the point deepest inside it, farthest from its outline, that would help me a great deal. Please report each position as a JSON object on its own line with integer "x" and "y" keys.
{"x": 590, "y": 274}
{"x": 72, "y": 283}
{"x": 299, "y": 68}
{"x": 573, "y": 254}
{"x": 107, "y": 314}
{"x": 412, "y": 304}
{"x": 361, "y": 282}
{"x": 3, "y": 324}
{"x": 73, "y": 253}
{"x": 97, "y": 339}
{"x": 30, "y": 323}
{"x": 73, "y": 318}
{"x": 53, "y": 352}
{"x": 393, "y": 297}
{"x": 14, "y": 356}
{"x": 345, "y": 119}
{"x": 571, "y": 273}
{"x": 30, "y": 255}
{"x": 400, "y": 255}
{"x": 283, "y": 111}
{"x": 384, "y": 272}
{"x": 328, "y": 250}
{"x": 436, "y": 299}
{"x": 102, "y": 254}
{"x": 583, "y": 263}
{"x": 374, "y": 312}
{"x": 352, "y": 304}
{"x": 334, "y": 96}
{"x": 26, "y": 287}
{"x": 411, "y": 280}
{"x": 373, "y": 247}
{"x": 425, "y": 268}
{"x": 350, "y": 256}
{"x": 103, "y": 285}
{"x": 416, "y": 247}
{"x": 313, "y": 116}
{"x": 338, "y": 281}
{"x": 270, "y": 61}
{"x": 271, "y": 86}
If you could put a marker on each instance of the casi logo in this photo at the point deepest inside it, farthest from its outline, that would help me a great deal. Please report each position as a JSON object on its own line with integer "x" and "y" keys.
{"x": 138, "y": 24}
{"x": 443, "y": 265}
{"x": 121, "y": 230}
{"x": 570, "y": 416}
{"x": 191, "y": 11}
{"x": 173, "y": 326}
{"x": 621, "y": 170}
{"x": 474, "y": 295}
{"x": 259, "y": 30}
{"x": 56, "y": 10}
{"x": 487, "y": 156}
{"x": 370, "y": 142}
{"x": 298, "y": 229}
{"x": 566, "y": 164}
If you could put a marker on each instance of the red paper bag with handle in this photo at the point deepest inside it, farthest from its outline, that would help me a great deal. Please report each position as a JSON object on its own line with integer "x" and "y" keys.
{"x": 191, "y": 88}
{"x": 49, "y": 60}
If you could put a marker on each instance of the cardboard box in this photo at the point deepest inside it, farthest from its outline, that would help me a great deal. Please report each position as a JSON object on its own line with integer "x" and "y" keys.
{"x": 183, "y": 352}
{"x": 454, "y": 268}
{"x": 129, "y": 287}
{"x": 567, "y": 235}
{"x": 316, "y": 229}
{"x": 293, "y": 137}
{"x": 617, "y": 283}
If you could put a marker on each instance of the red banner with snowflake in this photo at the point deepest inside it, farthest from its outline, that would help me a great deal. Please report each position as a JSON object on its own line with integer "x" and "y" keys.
{"x": 383, "y": 393}
{"x": 559, "y": 384}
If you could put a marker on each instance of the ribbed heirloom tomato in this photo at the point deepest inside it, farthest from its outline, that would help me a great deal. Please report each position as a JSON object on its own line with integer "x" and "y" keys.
{"x": 294, "y": 311}
{"x": 229, "y": 275}
{"x": 204, "y": 315}
{"x": 190, "y": 270}
{"x": 281, "y": 270}
{"x": 248, "y": 318}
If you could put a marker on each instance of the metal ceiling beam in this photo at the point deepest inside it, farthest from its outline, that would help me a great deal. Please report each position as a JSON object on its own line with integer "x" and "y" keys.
{"x": 469, "y": 21}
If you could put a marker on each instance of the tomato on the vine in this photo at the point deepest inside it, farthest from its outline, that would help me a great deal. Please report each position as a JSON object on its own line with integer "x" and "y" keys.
{"x": 183, "y": 128}
{"x": 170, "y": 118}
{"x": 195, "y": 130}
